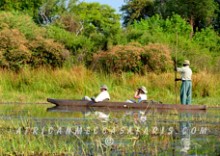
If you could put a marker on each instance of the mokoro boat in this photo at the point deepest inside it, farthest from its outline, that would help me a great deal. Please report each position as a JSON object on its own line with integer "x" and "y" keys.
{"x": 112, "y": 109}
{"x": 125, "y": 105}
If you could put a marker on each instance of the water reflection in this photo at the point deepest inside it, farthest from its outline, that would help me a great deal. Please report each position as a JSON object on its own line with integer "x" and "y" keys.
{"x": 99, "y": 115}
{"x": 187, "y": 138}
{"x": 192, "y": 129}
{"x": 185, "y": 130}
{"x": 107, "y": 109}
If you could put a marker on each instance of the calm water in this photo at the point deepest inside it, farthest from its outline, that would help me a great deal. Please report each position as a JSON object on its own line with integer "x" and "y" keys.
{"x": 127, "y": 132}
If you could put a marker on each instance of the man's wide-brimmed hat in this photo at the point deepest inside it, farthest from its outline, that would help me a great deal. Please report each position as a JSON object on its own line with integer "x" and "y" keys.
{"x": 104, "y": 87}
{"x": 143, "y": 89}
{"x": 186, "y": 62}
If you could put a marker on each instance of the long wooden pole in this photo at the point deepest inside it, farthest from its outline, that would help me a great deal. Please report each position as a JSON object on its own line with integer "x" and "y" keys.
{"x": 176, "y": 67}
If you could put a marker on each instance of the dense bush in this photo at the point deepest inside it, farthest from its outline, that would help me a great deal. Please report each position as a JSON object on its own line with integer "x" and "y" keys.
{"x": 13, "y": 49}
{"x": 135, "y": 58}
{"x": 24, "y": 23}
{"x": 22, "y": 43}
{"x": 156, "y": 24}
{"x": 158, "y": 57}
{"x": 209, "y": 39}
{"x": 46, "y": 52}
{"x": 80, "y": 46}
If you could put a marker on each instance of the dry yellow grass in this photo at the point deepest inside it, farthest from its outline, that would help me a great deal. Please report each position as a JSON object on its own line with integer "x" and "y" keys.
{"x": 39, "y": 84}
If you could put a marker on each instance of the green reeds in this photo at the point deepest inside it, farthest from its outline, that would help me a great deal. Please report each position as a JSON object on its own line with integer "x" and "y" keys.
{"x": 37, "y": 85}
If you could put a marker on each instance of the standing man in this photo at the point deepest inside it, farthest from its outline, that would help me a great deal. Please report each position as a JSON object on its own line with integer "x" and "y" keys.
{"x": 186, "y": 87}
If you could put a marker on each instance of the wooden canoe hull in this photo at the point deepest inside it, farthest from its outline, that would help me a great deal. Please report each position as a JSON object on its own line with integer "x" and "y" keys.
{"x": 124, "y": 105}
{"x": 110, "y": 109}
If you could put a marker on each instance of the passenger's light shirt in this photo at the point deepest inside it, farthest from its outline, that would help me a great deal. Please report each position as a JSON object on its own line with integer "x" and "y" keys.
{"x": 102, "y": 96}
{"x": 186, "y": 73}
{"x": 142, "y": 97}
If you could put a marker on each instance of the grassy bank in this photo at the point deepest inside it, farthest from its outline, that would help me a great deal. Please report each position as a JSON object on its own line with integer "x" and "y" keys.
{"x": 37, "y": 85}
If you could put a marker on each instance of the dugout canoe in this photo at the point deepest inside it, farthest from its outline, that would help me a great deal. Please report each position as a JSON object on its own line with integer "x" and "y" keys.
{"x": 111, "y": 109}
{"x": 124, "y": 105}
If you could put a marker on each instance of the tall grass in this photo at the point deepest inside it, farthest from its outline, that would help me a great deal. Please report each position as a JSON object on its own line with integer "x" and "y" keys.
{"x": 39, "y": 84}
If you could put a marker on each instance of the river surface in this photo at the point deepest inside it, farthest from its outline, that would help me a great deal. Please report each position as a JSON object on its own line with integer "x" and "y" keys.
{"x": 124, "y": 132}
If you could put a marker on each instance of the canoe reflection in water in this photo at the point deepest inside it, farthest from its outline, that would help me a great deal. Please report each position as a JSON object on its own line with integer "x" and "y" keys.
{"x": 99, "y": 115}
{"x": 103, "y": 113}
{"x": 185, "y": 127}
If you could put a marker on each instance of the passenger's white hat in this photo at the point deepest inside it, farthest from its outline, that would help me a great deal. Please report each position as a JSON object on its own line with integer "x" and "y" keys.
{"x": 186, "y": 62}
{"x": 104, "y": 87}
{"x": 143, "y": 89}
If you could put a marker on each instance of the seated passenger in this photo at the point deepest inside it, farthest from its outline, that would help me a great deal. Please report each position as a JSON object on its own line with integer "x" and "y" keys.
{"x": 103, "y": 95}
{"x": 140, "y": 95}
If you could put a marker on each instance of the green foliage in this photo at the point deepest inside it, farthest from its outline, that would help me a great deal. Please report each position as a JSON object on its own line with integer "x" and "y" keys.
{"x": 52, "y": 10}
{"x": 202, "y": 11}
{"x": 157, "y": 30}
{"x": 216, "y": 21}
{"x": 172, "y": 25}
{"x": 134, "y": 58}
{"x": 86, "y": 28}
{"x": 24, "y": 23}
{"x": 135, "y": 10}
{"x": 174, "y": 31}
{"x": 26, "y": 6}
{"x": 80, "y": 46}
{"x": 68, "y": 22}
{"x": 209, "y": 39}
{"x": 199, "y": 13}
{"x": 99, "y": 20}
{"x": 23, "y": 43}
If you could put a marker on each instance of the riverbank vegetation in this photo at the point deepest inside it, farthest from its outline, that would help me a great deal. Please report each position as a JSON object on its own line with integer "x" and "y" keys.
{"x": 73, "y": 83}
{"x": 67, "y": 50}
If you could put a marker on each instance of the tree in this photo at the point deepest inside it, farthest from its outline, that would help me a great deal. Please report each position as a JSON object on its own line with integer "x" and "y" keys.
{"x": 136, "y": 10}
{"x": 100, "y": 22}
{"x": 54, "y": 9}
{"x": 28, "y": 6}
{"x": 216, "y": 21}
{"x": 199, "y": 13}
{"x": 86, "y": 28}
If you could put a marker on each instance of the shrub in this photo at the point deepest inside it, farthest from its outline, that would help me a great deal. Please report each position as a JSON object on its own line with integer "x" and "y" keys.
{"x": 134, "y": 58}
{"x": 13, "y": 49}
{"x": 24, "y": 23}
{"x": 209, "y": 39}
{"x": 159, "y": 57}
{"x": 22, "y": 42}
{"x": 16, "y": 51}
{"x": 47, "y": 52}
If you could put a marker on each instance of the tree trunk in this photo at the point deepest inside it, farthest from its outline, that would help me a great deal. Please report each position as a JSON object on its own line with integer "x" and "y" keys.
{"x": 191, "y": 22}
